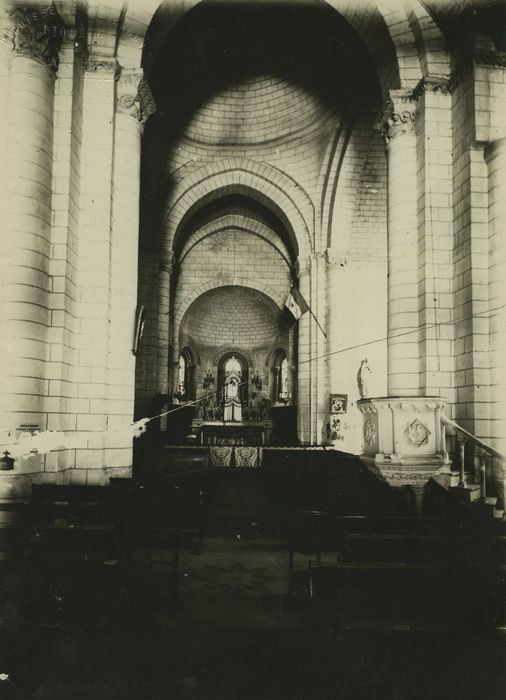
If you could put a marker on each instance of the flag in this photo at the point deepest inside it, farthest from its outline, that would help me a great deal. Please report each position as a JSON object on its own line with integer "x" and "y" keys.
{"x": 140, "y": 319}
{"x": 296, "y": 304}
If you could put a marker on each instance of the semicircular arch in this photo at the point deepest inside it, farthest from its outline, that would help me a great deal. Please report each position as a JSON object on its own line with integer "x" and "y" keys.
{"x": 282, "y": 195}
{"x": 236, "y": 222}
{"x": 128, "y": 28}
{"x": 224, "y": 281}
{"x": 225, "y": 350}
{"x": 364, "y": 22}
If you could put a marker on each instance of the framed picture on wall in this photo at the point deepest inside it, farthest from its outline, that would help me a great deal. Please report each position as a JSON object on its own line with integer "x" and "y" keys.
{"x": 338, "y": 403}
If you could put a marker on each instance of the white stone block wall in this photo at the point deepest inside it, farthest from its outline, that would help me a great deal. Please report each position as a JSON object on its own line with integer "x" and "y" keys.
{"x": 354, "y": 336}
{"x": 470, "y": 234}
{"x": 496, "y": 157}
{"x": 403, "y": 320}
{"x": 94, "y": 266}
{"x": 70, "y": 266}
{"x": 26, "y": 316}
{"x": 435, "y": 249}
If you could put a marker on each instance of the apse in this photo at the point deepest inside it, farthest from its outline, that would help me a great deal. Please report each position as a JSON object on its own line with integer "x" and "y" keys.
{"x": 235, "y": 320}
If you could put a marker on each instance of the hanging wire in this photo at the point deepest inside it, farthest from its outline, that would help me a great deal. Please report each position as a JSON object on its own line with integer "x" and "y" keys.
{"x": 350, "y": 347}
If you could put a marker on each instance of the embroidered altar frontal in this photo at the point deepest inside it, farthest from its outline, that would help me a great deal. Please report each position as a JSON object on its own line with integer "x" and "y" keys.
{"x": 235, "y": 456}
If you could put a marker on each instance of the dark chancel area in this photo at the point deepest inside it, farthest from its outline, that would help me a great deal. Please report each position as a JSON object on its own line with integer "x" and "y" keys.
{"x": 300, "y": 577}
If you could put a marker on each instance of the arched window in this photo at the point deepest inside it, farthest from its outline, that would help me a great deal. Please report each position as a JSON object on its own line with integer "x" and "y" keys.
{"x": 233, "y": 362}
{"x": 181, "y": 385}
{"x": 281, "y": 378}
{"x": 185, "y": 383}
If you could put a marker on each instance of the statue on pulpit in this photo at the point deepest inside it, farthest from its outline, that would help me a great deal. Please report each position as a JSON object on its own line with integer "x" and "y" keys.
{"x": 232, "y": 401}
{"x": 362, "y": 379}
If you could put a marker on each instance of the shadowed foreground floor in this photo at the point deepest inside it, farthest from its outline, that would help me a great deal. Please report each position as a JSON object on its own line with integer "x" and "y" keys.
{"x": 233, "y": 633}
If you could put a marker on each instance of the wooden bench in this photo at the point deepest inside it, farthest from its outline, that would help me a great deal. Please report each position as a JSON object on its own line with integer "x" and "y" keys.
{"x": 348, "y": 537}
{"x": 157, "y": 519}
{"x": 78, "y": 522}
{"x": 74, "y": 547}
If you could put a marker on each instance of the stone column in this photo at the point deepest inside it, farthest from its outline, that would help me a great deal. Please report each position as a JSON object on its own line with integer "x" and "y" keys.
{"x": 403, "y": 320}
{"x": 402, "y": 436}
{"x": 319, "y": 349}
{"x": 163, "y": 359}
{"x": 435, "y": 237}
{"x": 496, "y": 159}
{"x": 93, "y": 277}
{"x": 305, "y": 408}
{"x": 129, "y": 119}
{"x": 292, "y": 366}
{"x": 26, "y": 218}
{"x": 162, "y": 363}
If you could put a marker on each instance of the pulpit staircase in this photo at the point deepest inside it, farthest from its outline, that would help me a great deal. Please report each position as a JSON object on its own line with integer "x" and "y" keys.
{"x": 373, "y": 565}
{"x": 477, "y": 462}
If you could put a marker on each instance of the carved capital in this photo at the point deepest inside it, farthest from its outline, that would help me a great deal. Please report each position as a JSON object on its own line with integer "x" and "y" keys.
{"x": 335, "y": 259}
{"x": 35, "y": 32}
{"x": 432, "y": 84}
{"x": 483, "y": 58}
{"x": 490, "y": 58}
{"x": 106, "y": 67}
{"x": 398, "y": 115}
{"x": 319, "y": 255}
{"x": 134, "y": 97}
{"x": 147, "y": 101}
{"x": 127, "y": 93}
{"x": 303, "y": 266}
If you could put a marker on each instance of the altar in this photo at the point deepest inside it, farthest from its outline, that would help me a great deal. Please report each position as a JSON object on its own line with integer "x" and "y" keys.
{"x": 217, "y": 432}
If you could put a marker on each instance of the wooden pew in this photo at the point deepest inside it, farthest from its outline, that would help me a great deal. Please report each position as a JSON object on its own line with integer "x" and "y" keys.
{"x": 78, "y": 522}
{"x": 157, "y": 518}
{"x": 73, "y": 549}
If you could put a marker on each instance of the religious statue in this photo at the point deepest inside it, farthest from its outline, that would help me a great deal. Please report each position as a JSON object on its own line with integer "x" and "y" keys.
{"x": 362, "y": 379}
{"x": 265, "y": 409}
{"x": 211, "y": 407}
{"x": 201, "y": 409}
{"x": 232, "y": 404}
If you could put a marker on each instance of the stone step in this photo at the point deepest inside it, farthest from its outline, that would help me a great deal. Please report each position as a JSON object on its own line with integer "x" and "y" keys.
{"x": 466, "y": 494}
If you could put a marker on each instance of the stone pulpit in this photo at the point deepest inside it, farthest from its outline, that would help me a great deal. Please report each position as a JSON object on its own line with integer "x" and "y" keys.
{"x": 404, "y": 440}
